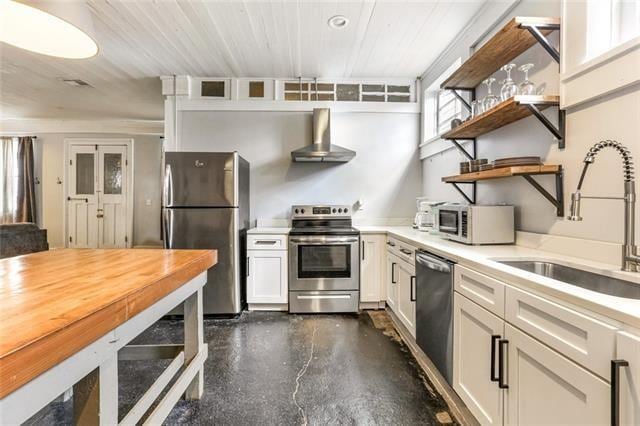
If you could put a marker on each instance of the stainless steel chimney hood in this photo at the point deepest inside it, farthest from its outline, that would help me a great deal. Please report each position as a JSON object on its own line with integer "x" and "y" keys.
{"x": 321, "y": 150}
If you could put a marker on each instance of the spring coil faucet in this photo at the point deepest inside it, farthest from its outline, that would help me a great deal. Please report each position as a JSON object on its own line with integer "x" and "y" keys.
{"x": 630, "y": 258}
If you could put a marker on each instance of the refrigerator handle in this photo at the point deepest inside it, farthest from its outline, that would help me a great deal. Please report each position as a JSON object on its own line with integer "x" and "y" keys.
{"x": 248, "y": 263}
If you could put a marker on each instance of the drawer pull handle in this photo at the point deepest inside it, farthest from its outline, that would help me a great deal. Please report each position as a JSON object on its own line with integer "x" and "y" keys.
{"x": 503, "y": 345}
{"x": 389, "y": 243}
{"x": 267, "y": 242}
{"x": 615, "y": 389}
{"x": 494, "y": 339}
{"x": 405, "y": 251}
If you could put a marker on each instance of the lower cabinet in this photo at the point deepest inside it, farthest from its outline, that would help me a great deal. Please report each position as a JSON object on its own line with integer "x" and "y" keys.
{"x": 267, "y": 279}
{"x": 406, "y": 303}
{"x": 392, "y": 281}
{"x": 504, "y": 376}
{"x": 372, "y": 259}
{"x": 476, "y": 334}
{"x": 627, "y": 367}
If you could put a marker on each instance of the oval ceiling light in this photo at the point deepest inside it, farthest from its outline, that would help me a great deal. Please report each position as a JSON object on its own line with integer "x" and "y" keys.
{"x": 38, "y": 31}
{"x": 338, "y": 21}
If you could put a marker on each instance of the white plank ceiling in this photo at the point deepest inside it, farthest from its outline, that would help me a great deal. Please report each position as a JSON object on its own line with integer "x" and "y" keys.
{"x": 140, "y": 40}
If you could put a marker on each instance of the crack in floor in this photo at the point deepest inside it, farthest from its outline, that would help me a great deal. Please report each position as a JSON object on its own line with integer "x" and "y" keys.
{"x": 301, "y": 373}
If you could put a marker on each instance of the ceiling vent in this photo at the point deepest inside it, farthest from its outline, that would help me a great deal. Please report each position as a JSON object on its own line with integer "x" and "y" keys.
{"x": 76, "y": 83}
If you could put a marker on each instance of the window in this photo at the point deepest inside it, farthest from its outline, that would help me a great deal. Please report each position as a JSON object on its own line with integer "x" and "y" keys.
{"x": 348, "y": 92}
{"x": 8, "y": 179}
{"x": 448, "y": 108}
{"x": 440, "y": 106}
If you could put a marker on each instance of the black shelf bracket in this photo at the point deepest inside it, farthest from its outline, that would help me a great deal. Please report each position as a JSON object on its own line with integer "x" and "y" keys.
{"x": 461, "y": 99}
{"x": 558, "y": 200}
{"x": 534, "y": 29}
{"x": 470, "y": 200}
{"x": 470, "y": 156}
{"x": 558, "y": 132}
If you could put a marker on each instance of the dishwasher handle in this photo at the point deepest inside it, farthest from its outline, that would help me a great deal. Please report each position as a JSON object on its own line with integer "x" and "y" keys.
{"x": 435, "y": 263}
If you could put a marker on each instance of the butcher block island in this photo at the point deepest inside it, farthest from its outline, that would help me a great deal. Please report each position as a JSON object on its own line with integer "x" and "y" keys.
{"x": 68, "y": 316}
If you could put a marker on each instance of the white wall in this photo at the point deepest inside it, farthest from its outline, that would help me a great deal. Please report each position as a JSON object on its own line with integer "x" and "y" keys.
{"x": 147, "y": 167}
{"x": 616, "y": 117}
{"x": 385, "y": 174}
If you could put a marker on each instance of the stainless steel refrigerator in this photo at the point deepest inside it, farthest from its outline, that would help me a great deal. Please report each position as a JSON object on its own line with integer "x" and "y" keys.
{"x": 206, "y": 206}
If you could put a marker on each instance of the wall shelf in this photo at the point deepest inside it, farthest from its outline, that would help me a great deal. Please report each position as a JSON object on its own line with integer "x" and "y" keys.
{"x": 505, "y": 172}
{"x": 507, "y": 112}
{"x": 518, "y": 35}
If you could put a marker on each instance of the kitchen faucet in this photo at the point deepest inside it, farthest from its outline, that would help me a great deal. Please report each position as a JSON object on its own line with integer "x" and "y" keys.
{"x": 630, "y": 257}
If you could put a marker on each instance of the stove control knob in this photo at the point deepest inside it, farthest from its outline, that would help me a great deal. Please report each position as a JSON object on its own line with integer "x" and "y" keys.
{"x": 302, "y": 211}
{"x": 346, "y": 209}
{"x": 334, "y": 210}
{"x": 339, "y": 210}
{"x": 296, "y": 211}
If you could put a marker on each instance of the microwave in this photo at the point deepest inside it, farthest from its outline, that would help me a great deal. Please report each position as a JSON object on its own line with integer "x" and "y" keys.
{"x": 472, "y": 224}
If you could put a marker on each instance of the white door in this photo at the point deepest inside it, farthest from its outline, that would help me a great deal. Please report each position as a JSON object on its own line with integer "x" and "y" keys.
{"x": 545, "y": 388}
{"x": 267, "y": 276}
{"x": 112, "y": 197}
{"x": 97, "y": 196}
{"x": 371, "y": 268}
{"x": 476, "y": 333}
{"x": 628, "y": 350}
{"x": 82, "y": 197}
{"x": 407, "y": 296}
{"x": 392, "y": 281}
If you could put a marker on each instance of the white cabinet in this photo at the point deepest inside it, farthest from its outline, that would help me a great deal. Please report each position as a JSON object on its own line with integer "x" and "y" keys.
{"x": 267, "y": 270}
{"x": 628, "y": 351}
{"x": 546, "y": 388}
{"x": 392, "y": 281}
{"x": 406, "y": 306}
{"x": 372, "y": 263}
{"x": 476, "y": 334}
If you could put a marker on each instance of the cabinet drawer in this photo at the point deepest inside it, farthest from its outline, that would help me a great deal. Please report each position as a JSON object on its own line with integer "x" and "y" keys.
{"x": 585, "y": 340}
{"x": 403, "y": 250}
{"x": 266, "y": 242}
{"x": 485, "y": 291}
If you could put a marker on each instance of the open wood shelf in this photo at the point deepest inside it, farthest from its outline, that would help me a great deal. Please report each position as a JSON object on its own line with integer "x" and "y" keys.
{"x": 505, "y": 112}
{"x": 503, "y": 172}
{"x": 518, "y": 35}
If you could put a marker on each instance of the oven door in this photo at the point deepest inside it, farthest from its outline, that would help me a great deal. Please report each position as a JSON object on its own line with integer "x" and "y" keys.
{"x": 324, "y": 262}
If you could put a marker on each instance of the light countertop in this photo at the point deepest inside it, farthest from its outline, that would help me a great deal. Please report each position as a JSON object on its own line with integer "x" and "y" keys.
{"x": 264, "y": 230}
{"x": 483, "y": 259}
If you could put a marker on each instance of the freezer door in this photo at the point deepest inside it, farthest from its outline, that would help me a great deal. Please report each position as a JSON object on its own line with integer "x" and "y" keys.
{"x": 200, "y": 179}
{"x": 210, "y": 228}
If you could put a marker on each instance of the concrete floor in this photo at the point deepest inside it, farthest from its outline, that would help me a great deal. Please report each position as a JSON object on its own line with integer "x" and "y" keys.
{"x": 274, "y": 368}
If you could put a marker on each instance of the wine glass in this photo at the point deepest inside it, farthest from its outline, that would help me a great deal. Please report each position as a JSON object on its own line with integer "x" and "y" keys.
{"x": 476, "y": 108}
{"x": 527, "y": 87}
{"x": 490, "y": 100}
{"x": 509, "y": 88}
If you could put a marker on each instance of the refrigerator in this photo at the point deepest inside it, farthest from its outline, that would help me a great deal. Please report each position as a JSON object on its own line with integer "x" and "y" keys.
{"x": 206, "y": 206}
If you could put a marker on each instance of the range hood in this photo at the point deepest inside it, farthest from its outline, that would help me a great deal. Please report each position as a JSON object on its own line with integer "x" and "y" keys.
{"x": 321, "y": 150}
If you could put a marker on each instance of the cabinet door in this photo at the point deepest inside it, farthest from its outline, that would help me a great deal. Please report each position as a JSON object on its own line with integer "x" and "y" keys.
{"x": 392, "y": 281}
{"x": 628, "y": 349}
{"x": 474, "y": 349}
{"x": 406, "y": 296}
{"x": 267, "y": 276}
{"x": 546, "y": 388}
{"x": 371, "y": 268}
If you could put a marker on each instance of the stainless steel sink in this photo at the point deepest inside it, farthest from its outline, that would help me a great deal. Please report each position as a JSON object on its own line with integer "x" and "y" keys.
{"x": 578, "y": 277}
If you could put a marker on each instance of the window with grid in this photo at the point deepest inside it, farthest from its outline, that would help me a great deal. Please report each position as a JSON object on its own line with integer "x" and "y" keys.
{"x": 448, "y": 107}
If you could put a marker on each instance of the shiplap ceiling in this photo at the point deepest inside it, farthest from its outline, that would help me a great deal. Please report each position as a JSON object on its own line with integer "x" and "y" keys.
{"x": 141, "y": 40}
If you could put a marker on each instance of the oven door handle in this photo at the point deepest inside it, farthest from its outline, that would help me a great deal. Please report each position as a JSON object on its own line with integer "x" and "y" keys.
{"x": 323, "y": 240}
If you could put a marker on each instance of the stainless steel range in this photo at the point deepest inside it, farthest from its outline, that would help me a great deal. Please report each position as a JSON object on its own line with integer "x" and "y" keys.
{"x": 324, "y": 266}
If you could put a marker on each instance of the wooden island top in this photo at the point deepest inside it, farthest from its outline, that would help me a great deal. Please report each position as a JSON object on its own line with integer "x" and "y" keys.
{"x": 55, "y": 303}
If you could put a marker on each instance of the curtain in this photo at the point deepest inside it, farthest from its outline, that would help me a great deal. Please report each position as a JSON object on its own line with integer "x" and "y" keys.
{"x": 7, "y": 179}
{"x": 26, "y": 193}
{"x": 17, "y": 181}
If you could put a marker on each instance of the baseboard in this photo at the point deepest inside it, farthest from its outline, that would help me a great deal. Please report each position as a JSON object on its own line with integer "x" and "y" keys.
{"x": 456, "y": 405}
{"x": 371, "y": 305}
{"x": 269, "y": 307}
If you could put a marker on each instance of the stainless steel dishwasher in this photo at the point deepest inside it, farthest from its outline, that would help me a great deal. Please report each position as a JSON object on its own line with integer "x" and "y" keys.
{"x": 434, "y": 310}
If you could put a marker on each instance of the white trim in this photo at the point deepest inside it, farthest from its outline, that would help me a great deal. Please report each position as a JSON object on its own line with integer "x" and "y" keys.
{"x": 598, "y": 61}
{"x": 17, "y": 127}
{"x": 292, "y": 106}
{"x": 130, "y": 172}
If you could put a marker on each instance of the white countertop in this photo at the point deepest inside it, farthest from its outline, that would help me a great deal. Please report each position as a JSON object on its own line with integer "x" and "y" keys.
{"x": 482, "y": 259}
{"x": 263, "y": 230}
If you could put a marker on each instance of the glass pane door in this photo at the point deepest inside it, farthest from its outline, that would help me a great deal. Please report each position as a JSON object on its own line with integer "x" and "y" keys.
{"x": 324, "y": 261}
